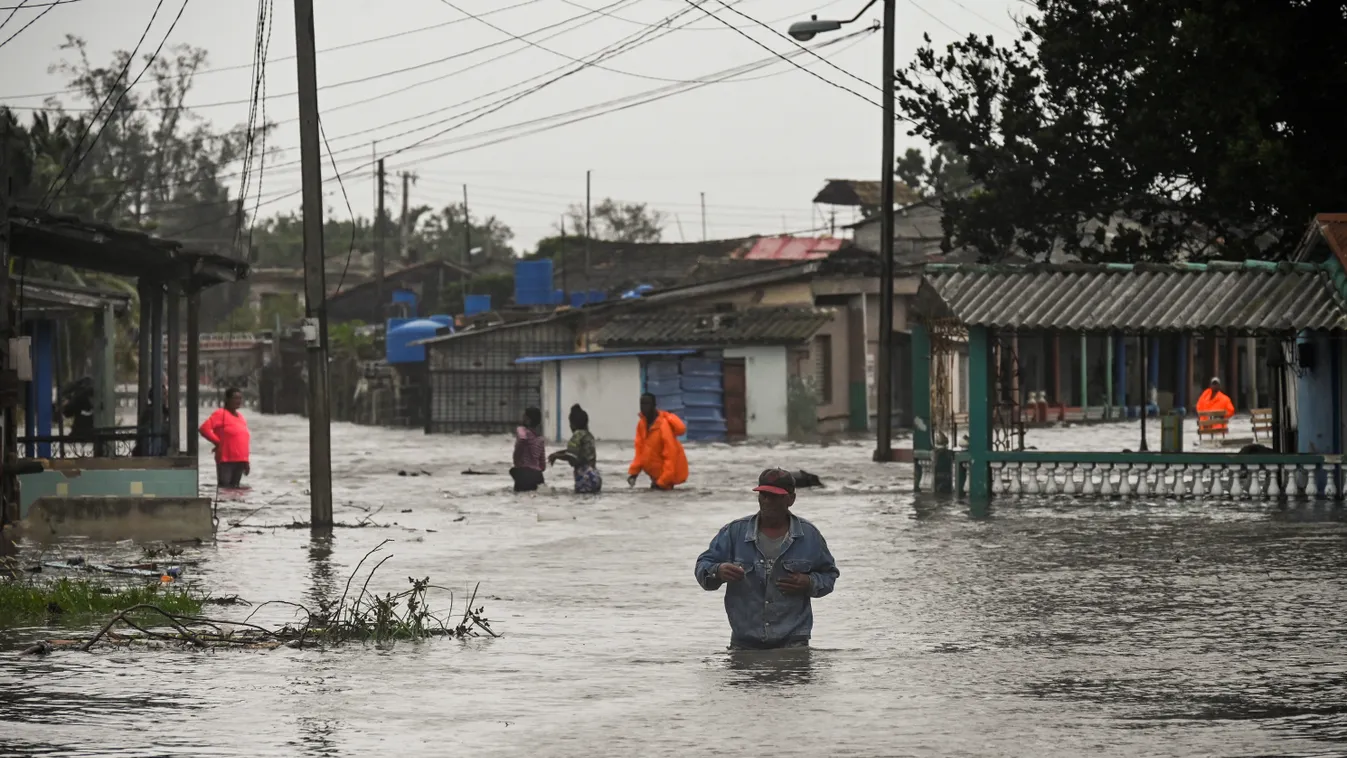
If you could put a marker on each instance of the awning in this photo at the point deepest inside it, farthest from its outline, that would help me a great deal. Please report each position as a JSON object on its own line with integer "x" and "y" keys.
{"x": 1253, "y": 297}
{"x": 601, "y": 354}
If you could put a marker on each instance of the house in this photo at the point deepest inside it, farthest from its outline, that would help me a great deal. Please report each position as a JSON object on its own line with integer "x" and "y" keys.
{"x": 835, "y": 361}
{"x": 729, "y": 375}
{"x": 407, "y": 291}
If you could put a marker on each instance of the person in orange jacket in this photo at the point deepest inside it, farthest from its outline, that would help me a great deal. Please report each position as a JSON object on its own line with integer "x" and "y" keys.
{"x": 1213, "y": 400}
{"x": 658, "y": 452}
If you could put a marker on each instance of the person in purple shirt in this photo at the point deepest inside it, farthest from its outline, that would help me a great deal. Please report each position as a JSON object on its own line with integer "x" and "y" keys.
{"x": 530, "y": 452}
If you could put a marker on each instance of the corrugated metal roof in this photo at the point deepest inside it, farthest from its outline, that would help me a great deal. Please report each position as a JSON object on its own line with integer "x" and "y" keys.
{"x": 1250, "y": 297}
{"x": 752, "y": 326}
{"x": 600, "y": 354}
{"x": 788, "y": 248}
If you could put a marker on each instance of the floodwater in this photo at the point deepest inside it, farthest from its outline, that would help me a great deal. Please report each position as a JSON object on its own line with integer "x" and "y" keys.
{"x": 1055, "y": 628}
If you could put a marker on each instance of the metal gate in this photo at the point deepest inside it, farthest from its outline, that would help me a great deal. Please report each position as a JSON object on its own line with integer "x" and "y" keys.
{"x": 467, "y": 401}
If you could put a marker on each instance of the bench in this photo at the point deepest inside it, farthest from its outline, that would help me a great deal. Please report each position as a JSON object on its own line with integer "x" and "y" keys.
{"x": 1212, "y": 424}
{"x": 1262, "y": 423}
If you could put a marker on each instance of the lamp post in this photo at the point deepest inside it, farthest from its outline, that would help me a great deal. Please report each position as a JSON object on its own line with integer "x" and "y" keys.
{"x": 804, "y": 31}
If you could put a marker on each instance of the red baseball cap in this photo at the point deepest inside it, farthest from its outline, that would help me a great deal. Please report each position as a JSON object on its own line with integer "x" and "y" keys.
{"x": 775, "y": 481}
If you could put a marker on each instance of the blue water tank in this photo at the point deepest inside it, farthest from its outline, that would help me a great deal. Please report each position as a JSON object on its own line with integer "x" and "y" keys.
{"x": 443, "y": 320}
{"x": 533, "y": 282}
{"x": 406, "y": 296}
{"x": 475, "y": 304}
{"x": 637, "y": 291}
{"x": 578, "y": 299}
{"x": 397, "y": 347}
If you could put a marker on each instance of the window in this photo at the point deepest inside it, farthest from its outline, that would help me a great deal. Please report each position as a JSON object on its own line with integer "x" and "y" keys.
{"x": 823, "y": 364}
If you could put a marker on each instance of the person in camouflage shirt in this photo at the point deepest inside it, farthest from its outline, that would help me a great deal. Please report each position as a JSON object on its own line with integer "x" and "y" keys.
{"x": 581, "y": 454}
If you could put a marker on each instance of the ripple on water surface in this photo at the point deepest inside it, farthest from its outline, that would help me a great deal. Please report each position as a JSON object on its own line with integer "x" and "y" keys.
{"x": 1054, "y": 628}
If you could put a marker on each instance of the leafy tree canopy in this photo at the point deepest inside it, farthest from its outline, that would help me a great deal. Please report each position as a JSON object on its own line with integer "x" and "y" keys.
{"x": 1203, "y": 126}
{"x": 617, "y": 221}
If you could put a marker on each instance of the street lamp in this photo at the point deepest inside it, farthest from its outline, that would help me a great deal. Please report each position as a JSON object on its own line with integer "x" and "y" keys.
{"x": 806, "y": 30}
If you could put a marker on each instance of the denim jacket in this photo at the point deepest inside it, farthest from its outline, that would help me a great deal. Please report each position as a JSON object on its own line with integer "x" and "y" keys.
{"x": 761, "y": 615}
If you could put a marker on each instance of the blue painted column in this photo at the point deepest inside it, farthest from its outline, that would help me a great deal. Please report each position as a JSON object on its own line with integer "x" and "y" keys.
{"x": 980, "y": 369}
{"x": 44, "y": 339}
{"x": 921, "y": 388}
{"x": 1314, "y": 398}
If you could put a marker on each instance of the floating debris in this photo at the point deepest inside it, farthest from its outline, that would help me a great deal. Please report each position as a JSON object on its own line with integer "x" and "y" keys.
{"x": 361, "y": 616}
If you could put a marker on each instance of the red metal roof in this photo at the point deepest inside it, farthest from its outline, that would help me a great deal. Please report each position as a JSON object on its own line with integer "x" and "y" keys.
{"x": 792, "y": 248}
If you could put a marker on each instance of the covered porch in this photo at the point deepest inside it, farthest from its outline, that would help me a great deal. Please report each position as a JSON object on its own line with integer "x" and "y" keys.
{"x": 1277, "y": 327}
{"x": 96, "y": 455}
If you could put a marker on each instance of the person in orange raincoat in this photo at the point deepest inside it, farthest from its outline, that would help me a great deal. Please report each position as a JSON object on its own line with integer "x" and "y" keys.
{"x": 658, "y": 451}
{"x": 1213, "y": 400}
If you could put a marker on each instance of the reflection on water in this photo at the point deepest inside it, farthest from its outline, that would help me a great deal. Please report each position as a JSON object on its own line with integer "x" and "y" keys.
{"x": 1045, "y": 628}
{"x": 790, "y": 666}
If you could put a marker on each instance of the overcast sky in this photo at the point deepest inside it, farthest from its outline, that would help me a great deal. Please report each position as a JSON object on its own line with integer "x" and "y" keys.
{"x": 759, "y": 147}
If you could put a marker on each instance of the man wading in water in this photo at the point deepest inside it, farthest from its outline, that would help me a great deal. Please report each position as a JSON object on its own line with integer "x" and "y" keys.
{"x": 773, "y": 563}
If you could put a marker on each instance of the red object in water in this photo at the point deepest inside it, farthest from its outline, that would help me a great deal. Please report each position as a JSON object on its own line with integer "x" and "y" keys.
{"x": 792, "y": 248}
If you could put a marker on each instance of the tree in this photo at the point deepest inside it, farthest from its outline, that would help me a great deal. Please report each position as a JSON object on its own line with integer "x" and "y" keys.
{"x": 441, "y": 237}
{"x": 617, "y": 222}
{"x": 947, "y": 171}
{"x": 1141, "y": 129}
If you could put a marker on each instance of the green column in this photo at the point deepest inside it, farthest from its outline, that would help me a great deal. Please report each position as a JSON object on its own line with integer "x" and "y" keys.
{"x": 1108, "y": 379}
{"x": 1084, "y": 374}
{"x": 921, "y": 387}
{"x": 979, "y": 414}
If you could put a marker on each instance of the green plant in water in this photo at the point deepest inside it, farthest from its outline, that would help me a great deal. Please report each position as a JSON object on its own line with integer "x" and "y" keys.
{"x": 24, "y": 602}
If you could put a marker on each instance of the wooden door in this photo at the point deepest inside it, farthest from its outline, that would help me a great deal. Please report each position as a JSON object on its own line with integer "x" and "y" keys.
{"x": 736, "y": 399}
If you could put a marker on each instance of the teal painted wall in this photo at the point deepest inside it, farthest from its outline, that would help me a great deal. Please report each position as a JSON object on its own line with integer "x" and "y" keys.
{"x": 179, "y": 482}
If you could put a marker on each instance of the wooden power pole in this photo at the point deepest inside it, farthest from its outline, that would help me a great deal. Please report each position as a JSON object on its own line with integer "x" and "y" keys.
{"x": 380, "y": 246}
{"x": 315, "y": 285}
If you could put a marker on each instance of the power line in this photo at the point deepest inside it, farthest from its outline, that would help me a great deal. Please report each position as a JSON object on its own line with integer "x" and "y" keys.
{"x": 381, "y": 75}
{"x": 351, "y": 248}
{"x": 25, "y": 5}
{"x": 75, "y": 158}
{"x": 336, "y": 48}
{"x": 31, "y": 21}
{"x": 754, "y": 40}
{"x": 714, "y": 28}
{"x": 12, "y": 10}
{"x": 774, "y": 30}
{"x": 626, "y": 102}
{"x": 937, "y": 19}
{"x": 630, "y": 42}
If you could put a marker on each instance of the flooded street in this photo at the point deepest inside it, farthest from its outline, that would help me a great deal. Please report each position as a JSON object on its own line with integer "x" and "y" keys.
{"x": 1054, "y": 628}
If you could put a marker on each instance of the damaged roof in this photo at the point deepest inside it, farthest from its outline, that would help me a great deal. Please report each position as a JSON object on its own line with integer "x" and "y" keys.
{"x": 71, "y": 241}
{"x": 1252, "y": 297}
{"x": 862, "y": 193}
{"x": 686, "y": 328}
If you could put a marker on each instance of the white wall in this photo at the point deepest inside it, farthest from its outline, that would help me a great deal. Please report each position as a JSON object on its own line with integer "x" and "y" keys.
{"x": 609, "y": 389}
{"x": 765, "y": 377}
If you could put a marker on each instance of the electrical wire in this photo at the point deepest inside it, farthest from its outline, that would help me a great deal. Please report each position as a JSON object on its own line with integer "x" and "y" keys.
{"x": 632, "y": 41}
{"x": 75, "y": 158}
{"x": 351, "y": 248}
{"x": 787, "y": 38}
{"x": 13, "y": 9}
{"x": 755, "y": 41}
{"x": 30, "y": 6}
{"x": 333, "y": 49}
{"x": 594, "y": 110}
{"x": 384, "y": 74}
{"x": 31, "y": 21}
{"x": 934, "y": 17}
{"x": 572, "y": 59}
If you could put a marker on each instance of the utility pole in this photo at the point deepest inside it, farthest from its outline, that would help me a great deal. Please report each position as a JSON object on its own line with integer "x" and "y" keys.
{"x": 8, "y": 482}
{"x": 380, "y": 246}
{"x": 467, "y": 247}
{"x": 588, "y": 233}
{"x": 404, "y": 228}
{"x": 315, "y": 285}
{"x": 563, "y": 252}
{"x": 884, "y": 424}
{"x": 703, "y": 217}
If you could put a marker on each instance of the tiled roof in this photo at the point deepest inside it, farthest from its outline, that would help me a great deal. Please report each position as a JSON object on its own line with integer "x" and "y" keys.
{"x": 788, "y": 248}
{"x": 857, "y": 193}
{"x": 686, "y": 328}
{"x": 1254, "y": 297}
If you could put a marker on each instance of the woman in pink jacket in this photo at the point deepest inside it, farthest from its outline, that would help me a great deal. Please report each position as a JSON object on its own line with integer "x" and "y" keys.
{"x": 228, "y": 431}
